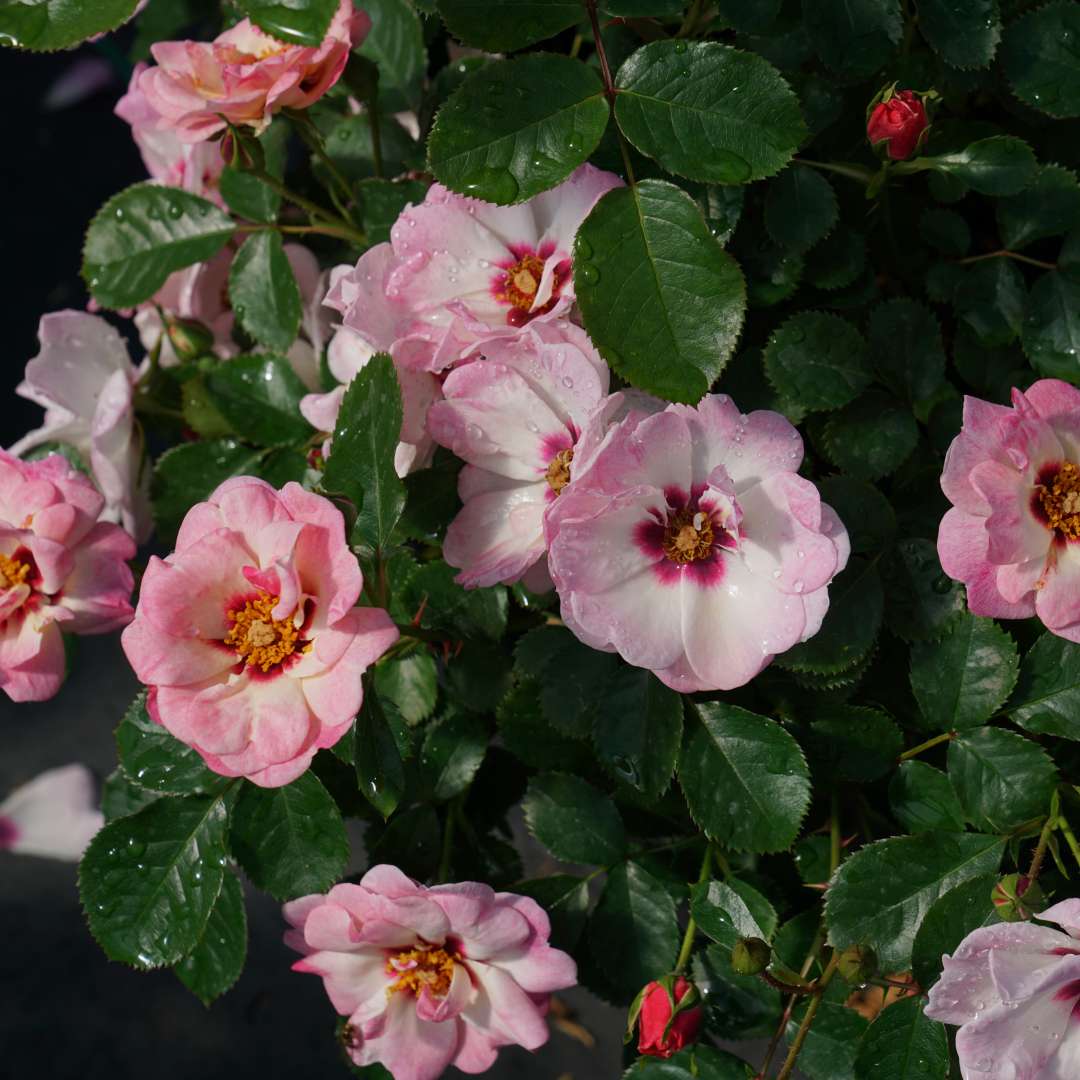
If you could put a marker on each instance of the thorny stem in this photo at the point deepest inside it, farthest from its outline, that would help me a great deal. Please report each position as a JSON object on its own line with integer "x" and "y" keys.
{"x": 609, "y": 85}
{"x": 808, "y": 1018}
{"x": 1003, "y": 253}
{"x": 691, "y": 926}
{"x": 1070, "y": 838}
{"x": 852, "y": 172}
{"x": 1040, "y": 849}
{"x": 929, "y": 744}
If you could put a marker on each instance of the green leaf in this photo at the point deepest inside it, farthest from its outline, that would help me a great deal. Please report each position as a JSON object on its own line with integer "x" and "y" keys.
{"x": 990, "y": 298}
{"x": 260, "y": 397}
{"x": 148, "y": 882}
{"x": 881, "y": 893}
{"x": 1000, "y": 165}
{"x": 853, "y": 37}
{"x": 448, "y": 608}
{"x": 247, "y": 196}
{"x": 140, "y": 236}
{"x": 950, "y": 919}
{"x": 945, "y": 230}
{"x": 964, "y": 33}
{"x": 831, "y": 1042}
{"x": 1051, "y": 328}
{"x": 410, "y": 841}
{"x": 526, "y": 733}
{"x": 263, "y": 291}
{"x": 380, "y": 772}
{"x": 1040, "y": 60}
{"x": 961, "y": 679}
{"x": 361, "y": 462}
{"x": 395, "y": 43}
{"x": 411, "y": 683}
{"x": 507, "y": 25}
{"x": 722, "y": 207}
{"x": 565, "y": 898}
{"x": 855, "y": 742}
{"x": 868, "y": 515}
{"x": 453, "y": 750}
{"x": 518, "y": 127}
{"x": 290, "y": 840}
{"x": 838, "y": 260}
{"x": 382, "y": 201}
{"x": 1047, "y": 697}
{"x": 923, "y": 800}
{"x": 722, "y": 914}
{"x": 695, "y": 1063}
{"x": 633, "y": 933}
{"x": 872, "y": 437}
{"x": 349, "y": 146}
{"x": 215, "y": 964}
{"x": 298, "y": 22}
{"x": 1050, "y": 206}
{"x": 817, "y": 361}
{"x": 923, "y": 602}
{"x": 573, "y": 820}
{"x": 903, "y": 1044}
{"x": 800, "y": 208}
{"x": 905, "y": 342}
{"x": 1001, "y": 778}
{"x": 707, "y": 111}
{"x": 661, "y": 299}
{"x": 120, "y": 797}
{"x": 737, "y": 1006}
{"x": 48, "y": 25}
{"x": 186, "y": 474}
{"x": 745, "y": 779}
{"x": 157, "y": 761}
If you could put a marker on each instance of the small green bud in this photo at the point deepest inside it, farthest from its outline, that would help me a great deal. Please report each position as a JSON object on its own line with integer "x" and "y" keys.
{"x": 857, "y": 963}
{"x": 189, "y": 339}
{"x": 1016, "y": 899}
{"x": 750, "y": 956}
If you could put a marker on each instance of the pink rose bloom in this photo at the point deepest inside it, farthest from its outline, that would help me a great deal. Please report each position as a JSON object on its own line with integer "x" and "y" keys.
{"x": 1013, "y": 534}
{"x": 515, "y": 415}
{"x": 247, "y": 634}
{"x": 84, "y": 380}
{"x": 1014, "y": 989}
{"x": 59, "y": 568}
{"x": 195, "y": 167}
{"x": 54, "y": 815}
{"x": 430, "y": 977}
{"x": 458, "y": 271}
{"x": 688, "y": 544}
{"x": 245, "y": 76}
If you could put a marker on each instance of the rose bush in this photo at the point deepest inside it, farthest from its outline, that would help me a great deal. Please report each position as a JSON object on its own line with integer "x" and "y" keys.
{"x": 625, "y": 460}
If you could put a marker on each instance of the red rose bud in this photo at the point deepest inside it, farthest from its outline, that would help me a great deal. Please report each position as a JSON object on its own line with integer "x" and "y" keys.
{"x": 1016, "y": 899}
{"x": 668, "y": 1014}
{"x": 897, "y": 123}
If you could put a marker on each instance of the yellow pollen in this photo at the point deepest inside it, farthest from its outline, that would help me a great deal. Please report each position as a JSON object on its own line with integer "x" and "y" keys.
{"x": 522, "y": 281}
{"x": 13, "y": 572}
{"x": 688, "y": 537}
{"x": 419, "y": 968}
{"x": 258, "y": 638}
{"x": 558, "y": 472}
{"x": 1061, "y": 501}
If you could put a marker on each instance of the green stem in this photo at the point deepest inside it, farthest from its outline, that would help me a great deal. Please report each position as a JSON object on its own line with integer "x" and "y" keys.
{"x": 609, "y": 85}
{"x": 1040, "y": 849}
{"x": 852, "y": 172}
{"x": 948, "y": 736}
{"x": 834, "y": 834}
{"x": 691, "y": 926}
{"x": 1002, "y": 253}
{"x": 313, "y": 139}
{"x": 342, "y": 232}
{"x": 1070, "y": 838}
{"x": 313, "y": 208}
{"x": 808, "y": 1018}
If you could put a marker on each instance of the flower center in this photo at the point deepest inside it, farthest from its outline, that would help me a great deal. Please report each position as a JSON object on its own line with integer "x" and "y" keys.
{"x": 258, "y": 638}
{"x": 419, "y": 968}
{"x": 13, "y": 572}
{"x": 1061, "y": 501}
{"x": 688, "y": 536}
{"x": 558, "y": 472}
{"x": 522, "y": 281}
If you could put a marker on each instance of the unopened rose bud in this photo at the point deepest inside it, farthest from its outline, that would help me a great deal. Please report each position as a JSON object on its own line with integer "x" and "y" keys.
{"x": 668, "y": 1015}
{"x": 1015, "y": 898}
{"x": 897, "y": 122}
{"x": 857, "y": 963}
{"x": 189, "y": 339}
{"x": 750, "y": 956}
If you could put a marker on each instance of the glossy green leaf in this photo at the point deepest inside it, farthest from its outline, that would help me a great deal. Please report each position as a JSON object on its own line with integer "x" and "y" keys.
{"x": 148, "y": 882}
{"x": 800, "y": 208}
{"x": 573, "y": 820}
{"x": 411, "y": 683}
{"x": 817, "y": 361}
{"x": 565, "y": 898}
{"x": 290, "y": 840}
{"x": 140, "y": 236}
{"x": 527, "y": 734}
{"x": 1049, "y": 206}
{"x": 903, "y": 1043}
{"x": 260, "y": 397}
{"x": 453, "y": 750}
{"x": 507, "y": 25}
{"x": 382, "y": 201}
{"x": 661, "y": 300}
{"x": 737, "y": 1006}
{"x": 1040, "y": 58}
{"x": 518, "y": 127}
{"x": 872, "y": 437}
{"x": 838, "y": 260}
{"x": 707, "y": 111}
{"x": 881, "y": 893}
{"x": 263, "y": 291}
{"x": 964, "y": 33}
{"x": 246, "y": 195}
{"x": 48, "y": 25}
{"x": 1051, "y": 328}
{"x": 120, "y": 797}
{"x": 1001, "y": 778}
{"x": 905, "y": 342}
{"x": 380, "y": 772}
{"x": 215, "y": 964}
{"x": 945, "y": 230}
{"x": 395, "y": 43}
{"x": 923, "y": 602}
{"x": 695, "y": 1063}
{"x": 853, "y": 37}
{"x": 361, "y": 462}
{"x": 950, "y": 919}
{"x": 722, "y": 914}
{"x": 923, "y": 800}
{"x": 1047, "y": 697}
{"x": 990, "y": 298}
{"x": 854, "y": 742}
{"x": 865, "y": 512}
{"x": 1000, "y": 165}
{"x": 297, "y": 22}
{"x": 745, "y": 779}
{"x": 831, "y": 1042}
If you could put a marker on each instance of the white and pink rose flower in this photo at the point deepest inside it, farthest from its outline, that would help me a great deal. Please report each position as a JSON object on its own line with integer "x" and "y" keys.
{"x": 430, "y": 977}
{"x": 55, "y": 815}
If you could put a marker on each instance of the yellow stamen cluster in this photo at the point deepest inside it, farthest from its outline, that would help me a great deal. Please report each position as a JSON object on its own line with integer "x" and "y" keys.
{"x": 260, "y": 639}
{"x": 688, "y": 536}
{"x": 558, "y": 472}
{"x": 419, "y": 968}
{"x": 13, "y": 572}
{"x": 522, "y": 281}
{"x": 1061, "y": 501}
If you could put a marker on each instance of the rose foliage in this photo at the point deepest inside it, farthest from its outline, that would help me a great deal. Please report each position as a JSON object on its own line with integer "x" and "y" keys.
{"x": 624, "y": 455}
